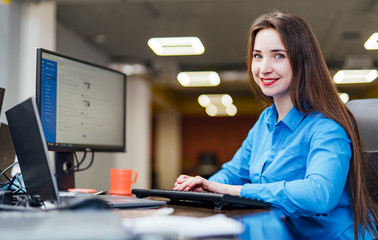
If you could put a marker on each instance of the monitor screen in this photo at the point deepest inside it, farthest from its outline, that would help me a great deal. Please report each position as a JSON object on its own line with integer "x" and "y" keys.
{"x": 82, "y": 105}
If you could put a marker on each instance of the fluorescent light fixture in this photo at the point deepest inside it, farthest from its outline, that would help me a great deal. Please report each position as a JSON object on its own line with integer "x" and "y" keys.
{"x": 214, "y": 111}
{"x": 218, "y": 104}
{"x": 174, "y": 46}
{"x": 215, "y": 99}
{"x": 372, "y": 42}
{"x": 355, "y": 76}
{"x": 344, "y": 97}
{"x": 198, "y": 79}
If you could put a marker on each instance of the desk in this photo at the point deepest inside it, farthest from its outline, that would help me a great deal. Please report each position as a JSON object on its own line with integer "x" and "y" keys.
{"x": 189, "y": 211}
{"x": 261, "y": 224}
{"x": 79, "y": 225}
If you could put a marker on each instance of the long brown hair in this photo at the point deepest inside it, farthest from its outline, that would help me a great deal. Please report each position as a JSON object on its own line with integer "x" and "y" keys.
{"x": 312, "y": 90}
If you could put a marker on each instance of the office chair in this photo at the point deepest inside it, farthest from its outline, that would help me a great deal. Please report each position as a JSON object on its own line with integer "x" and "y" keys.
{"x": 366, "y": 113}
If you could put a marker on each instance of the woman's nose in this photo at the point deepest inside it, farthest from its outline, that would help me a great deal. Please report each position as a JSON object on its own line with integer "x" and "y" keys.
{"x": 266, "y": 66}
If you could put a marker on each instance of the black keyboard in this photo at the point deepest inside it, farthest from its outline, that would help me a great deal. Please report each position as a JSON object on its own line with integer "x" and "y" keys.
{"x": 216, "y": 200}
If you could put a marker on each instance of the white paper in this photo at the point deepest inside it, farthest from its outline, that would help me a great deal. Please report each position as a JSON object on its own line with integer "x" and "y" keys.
{"x": 184, "y": 226}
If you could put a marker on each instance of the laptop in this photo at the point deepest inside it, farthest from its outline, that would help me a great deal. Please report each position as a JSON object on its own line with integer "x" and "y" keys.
{"x": 7, "y": 152}
{"x": 32, "y": 153}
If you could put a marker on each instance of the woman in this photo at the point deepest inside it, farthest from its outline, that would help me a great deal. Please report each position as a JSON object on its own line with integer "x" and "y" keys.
{"x": 304, "y": 153}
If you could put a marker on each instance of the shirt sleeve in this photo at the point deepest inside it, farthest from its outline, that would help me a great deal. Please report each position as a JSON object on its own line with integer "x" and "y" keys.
{"x": 326, "y": 173}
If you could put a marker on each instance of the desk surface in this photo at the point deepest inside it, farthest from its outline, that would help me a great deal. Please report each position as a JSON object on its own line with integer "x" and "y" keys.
{"x": 190, "y": 211}
{"x": 261, "y": 224}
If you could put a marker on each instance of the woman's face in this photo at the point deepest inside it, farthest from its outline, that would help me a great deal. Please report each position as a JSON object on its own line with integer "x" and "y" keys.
{"x": 271, "y": 67}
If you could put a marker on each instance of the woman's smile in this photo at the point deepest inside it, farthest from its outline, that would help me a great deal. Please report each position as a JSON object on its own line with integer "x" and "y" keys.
{"x": 268, "y": 81}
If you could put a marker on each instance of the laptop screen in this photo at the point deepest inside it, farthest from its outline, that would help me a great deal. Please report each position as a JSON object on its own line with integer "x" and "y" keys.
{"x": 7, "y": 153}
{"x": 31, "y": 149}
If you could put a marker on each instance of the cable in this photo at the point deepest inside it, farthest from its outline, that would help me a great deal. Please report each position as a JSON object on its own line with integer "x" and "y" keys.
{"x": 77, "y": 168}
{"x": 6, "y": 169}
{"x": 78, "y": 163}
{"x": 82, "y": 159}
{"x": 11, "y": 182}
{"x": 89, "y": 165}
{"x": 20, "y": 188}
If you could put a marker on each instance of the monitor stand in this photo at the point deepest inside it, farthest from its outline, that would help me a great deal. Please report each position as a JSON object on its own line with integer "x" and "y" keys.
{"x": 64, "y": 161}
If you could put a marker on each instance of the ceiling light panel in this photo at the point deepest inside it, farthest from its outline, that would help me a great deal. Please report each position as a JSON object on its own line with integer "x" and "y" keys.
{"x": 198, "y": 79}
{"x": 372, "y": 42}
{"x": 217, "y": 105}
{"x": 215, "y": 99}
{"x": 221, "y": 111}
{"x": 355, "y": 76}
{"x": 344, "y": 97}
{"x": 176, "y": 46}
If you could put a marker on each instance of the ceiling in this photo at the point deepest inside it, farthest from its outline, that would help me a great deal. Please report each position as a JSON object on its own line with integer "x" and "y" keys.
{"x": 341, "y": 26}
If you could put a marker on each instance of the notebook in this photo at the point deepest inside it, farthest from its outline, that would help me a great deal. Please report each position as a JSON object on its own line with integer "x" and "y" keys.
{"x": 32, "y": 153}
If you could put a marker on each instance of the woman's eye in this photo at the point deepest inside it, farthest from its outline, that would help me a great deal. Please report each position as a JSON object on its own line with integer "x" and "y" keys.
{"x": 258, "y": 56}
{"x": 279, "y": 56}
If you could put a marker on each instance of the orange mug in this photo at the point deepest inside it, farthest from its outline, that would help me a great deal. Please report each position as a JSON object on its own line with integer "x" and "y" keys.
{"x": 121, "y": 181}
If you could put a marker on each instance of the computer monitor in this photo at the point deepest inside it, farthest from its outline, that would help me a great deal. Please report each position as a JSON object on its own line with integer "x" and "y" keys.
{"x": 82, "y": 107}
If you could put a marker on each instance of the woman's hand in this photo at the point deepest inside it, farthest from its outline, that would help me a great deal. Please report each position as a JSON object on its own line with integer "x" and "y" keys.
{"x": 188, "y": 183}
{"x": 200, "y": 184}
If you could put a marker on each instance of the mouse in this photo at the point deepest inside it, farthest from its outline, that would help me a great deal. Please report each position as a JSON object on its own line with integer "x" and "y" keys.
{"x": 87, "y": 204}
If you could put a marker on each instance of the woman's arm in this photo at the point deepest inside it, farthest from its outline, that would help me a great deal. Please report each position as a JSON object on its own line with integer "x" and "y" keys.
{"x": 325, "y": 178}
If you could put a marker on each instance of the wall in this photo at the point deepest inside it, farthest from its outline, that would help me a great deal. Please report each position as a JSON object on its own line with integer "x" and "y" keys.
{"x": 219, "y": 135}
{"x": 168, "y": 143}
{"x": 24, "y": 27}
{"x": 9, "y": 52}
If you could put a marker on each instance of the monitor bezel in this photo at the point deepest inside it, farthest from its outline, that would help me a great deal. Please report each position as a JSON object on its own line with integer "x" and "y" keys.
{"x": 80, "y": 147}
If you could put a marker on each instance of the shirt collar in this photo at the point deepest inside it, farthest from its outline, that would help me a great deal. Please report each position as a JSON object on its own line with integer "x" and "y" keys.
{"x": 292, "y": 119}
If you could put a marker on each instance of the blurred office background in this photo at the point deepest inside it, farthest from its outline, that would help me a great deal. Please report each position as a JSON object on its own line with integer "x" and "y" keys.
{"x": 168, "y": 131}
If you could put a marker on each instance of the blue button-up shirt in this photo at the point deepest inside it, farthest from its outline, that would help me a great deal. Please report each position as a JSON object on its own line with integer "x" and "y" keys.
{"x": 299, "y": 164}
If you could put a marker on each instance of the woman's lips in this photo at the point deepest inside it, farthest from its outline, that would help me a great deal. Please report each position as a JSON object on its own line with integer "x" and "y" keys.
{"x": 268, "y": 81}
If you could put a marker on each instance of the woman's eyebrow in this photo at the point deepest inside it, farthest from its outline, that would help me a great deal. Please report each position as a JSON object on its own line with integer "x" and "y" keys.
{"x": 278, "y": 50}
{"x": 273, "y": 50}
